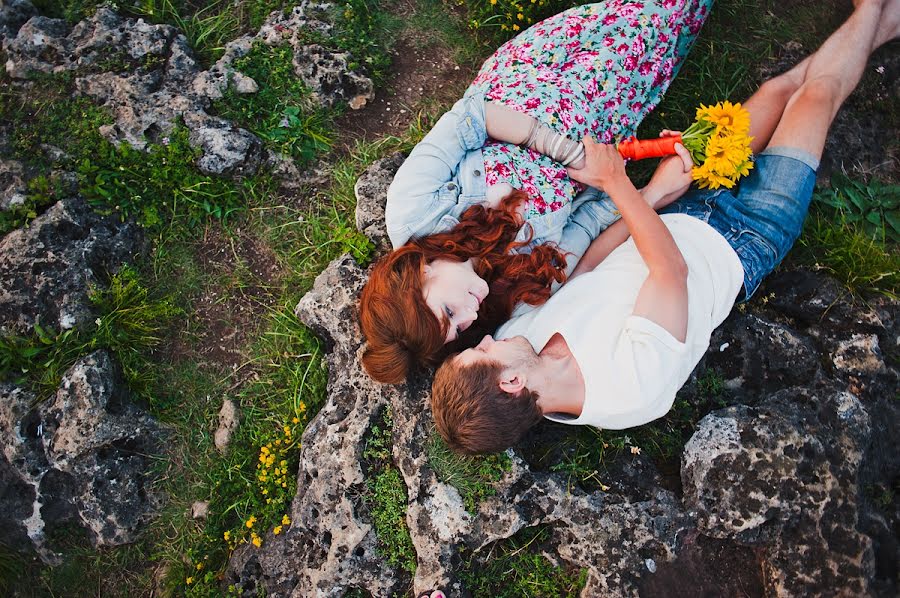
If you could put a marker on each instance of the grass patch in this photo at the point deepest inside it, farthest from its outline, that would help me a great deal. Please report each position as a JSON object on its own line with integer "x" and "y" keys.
{"x": 873, "y": 207}
{"x": 282, "y": 113}
{"x": 846, "y": 251}
{"x": 474, "y": 477}
{"x": 130, "y": 323}
{"x": 515, "y": 568}
{"x": 852, "y": 233}
{"x": 386, "y": 497}
{"x": 160, "y": 186}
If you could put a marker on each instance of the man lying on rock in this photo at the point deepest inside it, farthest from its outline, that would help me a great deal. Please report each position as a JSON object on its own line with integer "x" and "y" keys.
{"x": 616, "y": 343}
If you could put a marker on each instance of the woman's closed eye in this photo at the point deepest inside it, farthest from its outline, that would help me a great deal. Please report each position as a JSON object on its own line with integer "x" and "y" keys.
{"x": 450, "y": 315}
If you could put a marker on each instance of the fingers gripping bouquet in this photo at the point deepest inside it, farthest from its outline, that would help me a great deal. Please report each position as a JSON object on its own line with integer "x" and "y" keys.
{"x": 717, "y": 141}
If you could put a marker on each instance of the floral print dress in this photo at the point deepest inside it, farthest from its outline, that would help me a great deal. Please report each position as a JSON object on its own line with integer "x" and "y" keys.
{"x": 595, "y": 69}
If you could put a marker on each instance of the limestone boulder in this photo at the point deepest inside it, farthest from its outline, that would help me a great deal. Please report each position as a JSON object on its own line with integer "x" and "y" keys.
{"x": 371, "y": 197}
{"x": 48, "y": 269}
{"x": 83, "y": 458}
{"x": 785, "y": 474}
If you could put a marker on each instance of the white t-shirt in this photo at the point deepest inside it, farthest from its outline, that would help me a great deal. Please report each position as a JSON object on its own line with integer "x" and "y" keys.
{"x": 633, "y": 367}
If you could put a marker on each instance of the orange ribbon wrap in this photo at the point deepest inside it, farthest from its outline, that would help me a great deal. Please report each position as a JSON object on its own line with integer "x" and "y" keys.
{"x": 638, "y": 149}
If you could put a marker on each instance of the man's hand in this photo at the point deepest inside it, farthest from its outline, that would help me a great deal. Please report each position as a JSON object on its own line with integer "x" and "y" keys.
{"x": 603, "y": 165}
{"x": 671, "y": 178}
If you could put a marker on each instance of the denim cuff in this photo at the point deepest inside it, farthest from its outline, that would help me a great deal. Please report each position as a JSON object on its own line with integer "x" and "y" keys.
{"x": 794, "y": 153}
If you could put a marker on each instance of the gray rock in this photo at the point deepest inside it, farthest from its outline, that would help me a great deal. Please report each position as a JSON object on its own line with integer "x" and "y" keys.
{"x": 757, "y": 356}
{"x": 40, "y": 46}
{"x": 785, "y": 474}
{"x": 148, "y": 99}
{"x": 47, "y": 269}
{"x": 229, "y": 418}
{"x": 243, "y": 84}
{"x": 163, "y": 83}
{"x": 82, "y": 458}
{"x": 226, "y": 149}
{"x": 12, "y": 184}
{"x": 200, "y": 509}
{"x": 859, "y": 355}
{"x": 14, "y": 14}
{"x": 371, "y": 196}
{"x": 327, "y": 74}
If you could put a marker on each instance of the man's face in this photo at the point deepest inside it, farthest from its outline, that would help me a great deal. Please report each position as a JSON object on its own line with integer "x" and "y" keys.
{"x": 510, "y": 353}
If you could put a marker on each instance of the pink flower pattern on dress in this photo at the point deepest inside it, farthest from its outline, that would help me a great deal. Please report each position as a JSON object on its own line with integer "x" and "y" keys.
{"x": 595, "y": 69}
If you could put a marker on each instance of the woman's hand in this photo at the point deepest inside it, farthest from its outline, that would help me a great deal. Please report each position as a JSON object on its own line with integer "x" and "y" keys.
{"x": 671, "y": 178}
{"x": 602, "y": 165}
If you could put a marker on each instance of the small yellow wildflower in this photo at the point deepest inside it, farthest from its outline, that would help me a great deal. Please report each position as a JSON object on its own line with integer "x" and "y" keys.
{"x": 301, "y": 406}
{"x": 277, "y": 530}
{"x": 493, "y": 2}
{"x": 250, "y": 521}
{"x": 285, "y": 520}
{"x": 515, "y": 27}
{"x": 520, "y": 16}
{"x": 296, "y": 420}
{"x": 199, "y": 566}
{"x": 227, "y": 535}
{"x": 189, "y": 580}
{"x": 287, "y": 431}
{"x": 284, "y": 463}
{"x": 256, "y": 540}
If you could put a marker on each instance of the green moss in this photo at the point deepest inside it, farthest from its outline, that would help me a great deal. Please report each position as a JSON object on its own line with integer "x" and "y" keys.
{"x": 474, "y": 477}
{"x": 386, "y": 497}
{"x": 515, "y": 568}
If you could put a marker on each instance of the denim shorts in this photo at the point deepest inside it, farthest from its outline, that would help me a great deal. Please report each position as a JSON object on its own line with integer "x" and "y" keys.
{"x": 764, "y": 216}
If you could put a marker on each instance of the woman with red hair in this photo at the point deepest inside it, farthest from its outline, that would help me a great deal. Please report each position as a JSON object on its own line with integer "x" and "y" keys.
{"x": 483, "y": 215}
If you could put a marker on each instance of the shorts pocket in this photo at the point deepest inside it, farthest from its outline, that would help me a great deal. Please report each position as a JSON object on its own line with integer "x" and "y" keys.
{"x": 757, "y": 255}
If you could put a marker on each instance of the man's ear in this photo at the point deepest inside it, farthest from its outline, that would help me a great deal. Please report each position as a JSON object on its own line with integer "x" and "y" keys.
{"x": 512, "y": 381}
{"x": 426, "y": 270}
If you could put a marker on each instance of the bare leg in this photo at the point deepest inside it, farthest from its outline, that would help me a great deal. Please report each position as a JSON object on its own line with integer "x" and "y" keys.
{"x": 832, "y": 73}
{"x": 767, "y": 105}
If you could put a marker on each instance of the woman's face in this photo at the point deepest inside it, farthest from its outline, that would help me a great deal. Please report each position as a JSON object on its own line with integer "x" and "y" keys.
{"x": 453, "y": 291}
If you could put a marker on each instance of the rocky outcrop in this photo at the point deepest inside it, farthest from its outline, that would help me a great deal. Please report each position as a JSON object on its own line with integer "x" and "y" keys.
{"x": 81, "y": 458}
{"x": 785, "y": 475}
{"x": 371, "y": 195}
{"x": 148, "y": 77}
{"x": 48, "y": 269}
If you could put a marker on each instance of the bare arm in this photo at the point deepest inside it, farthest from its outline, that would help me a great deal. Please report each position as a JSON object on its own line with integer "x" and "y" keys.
{"x": 511, "y": 126}
{"x": 669, "y": 182}
{"x": 663, "y": 296}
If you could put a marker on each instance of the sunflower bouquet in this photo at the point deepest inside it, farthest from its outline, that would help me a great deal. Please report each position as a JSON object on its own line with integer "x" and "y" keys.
{"x": 717, "y": 141}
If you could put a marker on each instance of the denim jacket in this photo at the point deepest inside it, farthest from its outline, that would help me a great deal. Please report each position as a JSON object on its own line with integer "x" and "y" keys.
{"x": 444, "y": 175}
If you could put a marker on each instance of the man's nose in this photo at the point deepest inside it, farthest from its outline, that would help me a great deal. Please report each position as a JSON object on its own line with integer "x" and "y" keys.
{"x": 486, "y": 342}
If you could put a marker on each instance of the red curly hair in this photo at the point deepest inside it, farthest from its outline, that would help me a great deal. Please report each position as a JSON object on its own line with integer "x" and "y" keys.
{"x": 402, "y": 331}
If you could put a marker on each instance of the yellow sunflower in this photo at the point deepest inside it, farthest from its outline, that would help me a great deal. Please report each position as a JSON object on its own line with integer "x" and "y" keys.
{"x": 728, "y": 117}
{"x": 708, "y": 179}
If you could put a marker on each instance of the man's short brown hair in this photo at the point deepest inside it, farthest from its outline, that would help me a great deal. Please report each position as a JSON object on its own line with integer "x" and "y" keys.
{"x": 473, "y": 414}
